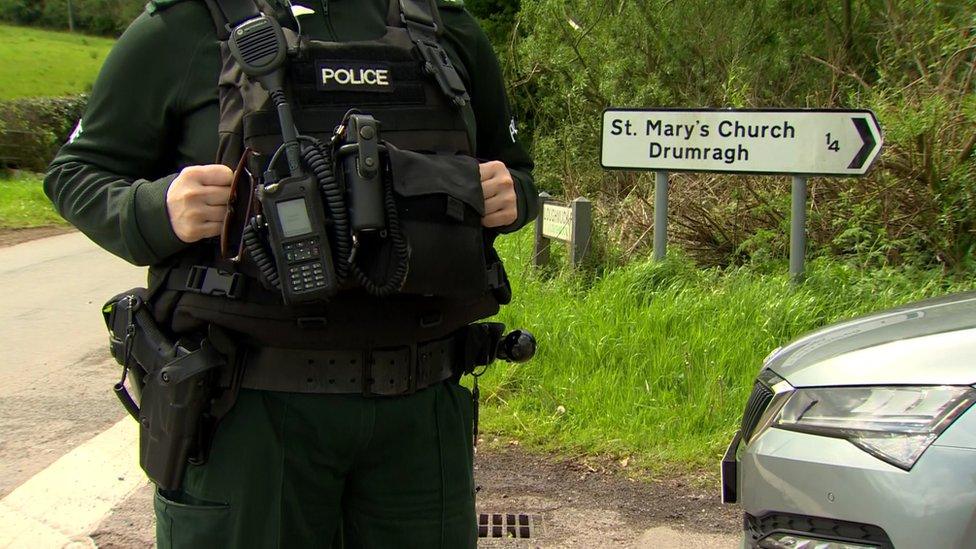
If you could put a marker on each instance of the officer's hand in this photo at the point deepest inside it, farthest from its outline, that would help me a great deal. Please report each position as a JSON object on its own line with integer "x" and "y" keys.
{"x": 197, "y": 201}
{"x": 501, "y": 204}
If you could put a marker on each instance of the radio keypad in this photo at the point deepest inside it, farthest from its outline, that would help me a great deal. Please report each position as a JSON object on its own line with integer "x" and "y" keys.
{"x": 307, "y": 275}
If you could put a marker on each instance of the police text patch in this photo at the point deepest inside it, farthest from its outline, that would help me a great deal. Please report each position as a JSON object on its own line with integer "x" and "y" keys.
{"x": 366, "y": 76}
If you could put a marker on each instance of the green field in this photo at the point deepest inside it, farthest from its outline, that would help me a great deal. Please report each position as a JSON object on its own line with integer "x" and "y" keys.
{"x": 23, "y": 204}
{"x": 36, "y": 62}
{"x": 654, "y": 362}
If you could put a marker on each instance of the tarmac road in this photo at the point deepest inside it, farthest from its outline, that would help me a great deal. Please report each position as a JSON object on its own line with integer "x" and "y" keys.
{"x": 68, "y": 469}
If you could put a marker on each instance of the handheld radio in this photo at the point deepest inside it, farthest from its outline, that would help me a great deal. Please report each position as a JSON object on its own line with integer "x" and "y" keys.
{"x": 292, "y": 206}
{"x": 296, "y": 218}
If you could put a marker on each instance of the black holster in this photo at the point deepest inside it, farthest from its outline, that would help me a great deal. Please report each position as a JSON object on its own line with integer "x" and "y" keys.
{"x": 174, "y": 382}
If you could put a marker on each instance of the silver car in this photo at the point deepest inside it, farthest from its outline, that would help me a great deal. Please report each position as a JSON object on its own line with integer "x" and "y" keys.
{"x": 863, "y": 434}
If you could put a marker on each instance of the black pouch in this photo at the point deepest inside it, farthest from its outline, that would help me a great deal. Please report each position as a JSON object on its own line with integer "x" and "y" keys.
{"x": 441, "y": 204}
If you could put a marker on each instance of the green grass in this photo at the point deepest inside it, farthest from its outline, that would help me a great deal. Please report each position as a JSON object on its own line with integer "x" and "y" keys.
{"x": 655, "y": 361}
{"x": 23, "y": 204}
{"x": 36, "y": 62}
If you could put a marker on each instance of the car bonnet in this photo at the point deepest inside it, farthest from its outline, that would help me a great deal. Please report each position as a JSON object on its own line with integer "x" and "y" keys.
{"x": 927, "y": 343}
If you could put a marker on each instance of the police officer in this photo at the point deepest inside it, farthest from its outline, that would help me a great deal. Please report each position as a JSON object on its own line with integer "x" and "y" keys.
{"x": 286, "y": 468}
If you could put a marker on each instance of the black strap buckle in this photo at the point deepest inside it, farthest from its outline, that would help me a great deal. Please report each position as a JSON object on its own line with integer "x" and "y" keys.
{"x": 438, "y": 64}
{"x": 212, "y": 281}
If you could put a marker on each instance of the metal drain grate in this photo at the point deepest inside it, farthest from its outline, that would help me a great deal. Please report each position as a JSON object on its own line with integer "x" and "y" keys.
{"x": 498, "y": 525}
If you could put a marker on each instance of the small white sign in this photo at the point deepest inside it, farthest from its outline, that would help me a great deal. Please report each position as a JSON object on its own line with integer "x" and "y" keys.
{"x": 797, "y": 142}
{"x": 557, "y": 222}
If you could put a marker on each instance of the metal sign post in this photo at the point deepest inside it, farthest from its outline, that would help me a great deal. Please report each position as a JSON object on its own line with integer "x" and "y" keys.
{"x": 801, "y": 143}
{"x": 661, "y": 215}
{"x": 798, "y": 229}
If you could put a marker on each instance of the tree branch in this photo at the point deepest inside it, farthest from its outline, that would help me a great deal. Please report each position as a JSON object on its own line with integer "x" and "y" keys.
{"x": 840, "y": 71}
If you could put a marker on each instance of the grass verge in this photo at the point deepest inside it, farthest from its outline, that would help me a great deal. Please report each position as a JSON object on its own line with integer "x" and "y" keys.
{"x": 42, "y": 63}
{"x": 23, "y": 204}
{"x": 652, "y": 363}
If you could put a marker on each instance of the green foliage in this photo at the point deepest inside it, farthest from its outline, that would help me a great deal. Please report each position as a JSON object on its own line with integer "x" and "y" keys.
{"x": 656, "y": 360}
{"x": 911, "y": 61}
{"x": 23, "y": 204}
{"x": 103, "y": 17}
{"x": 497, "y": 17}
{"x": 39, "y": 63}
{"x": 32, "y": 130}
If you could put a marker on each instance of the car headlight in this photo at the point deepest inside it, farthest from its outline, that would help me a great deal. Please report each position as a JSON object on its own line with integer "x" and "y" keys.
{"x": 895, "y": 424}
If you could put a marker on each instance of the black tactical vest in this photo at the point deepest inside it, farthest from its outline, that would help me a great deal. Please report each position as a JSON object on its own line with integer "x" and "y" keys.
{"x": 404, "y": 80}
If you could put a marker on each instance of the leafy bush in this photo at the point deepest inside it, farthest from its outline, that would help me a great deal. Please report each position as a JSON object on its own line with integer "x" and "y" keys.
{"x": 32, "y": 130}
{"x": 909, "y": 60}
{"x": 105, "y": 17}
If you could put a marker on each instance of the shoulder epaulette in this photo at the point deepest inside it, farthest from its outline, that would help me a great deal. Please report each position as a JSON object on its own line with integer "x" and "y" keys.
{"x": 157, "y": 5}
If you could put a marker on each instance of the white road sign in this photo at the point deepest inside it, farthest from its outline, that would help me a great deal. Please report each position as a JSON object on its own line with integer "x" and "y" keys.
{"x": 557, "y": 222}
{"x": 798, "y": 142}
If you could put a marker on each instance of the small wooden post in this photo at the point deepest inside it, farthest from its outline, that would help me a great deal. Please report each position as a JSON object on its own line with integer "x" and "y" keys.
{"x": 541, "y": 254}
{"x": 582, "y": 231}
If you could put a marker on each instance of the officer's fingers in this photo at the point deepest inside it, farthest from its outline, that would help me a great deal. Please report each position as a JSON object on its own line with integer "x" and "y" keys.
{"x": 502, "y": 184}
{"x": 212, "y": 174}
{"x": 499, "y": 202}
{"x": 491, "y": 169}
{"x": 214, "y": 196}
{"x": 490, "y": 188}
{"x": 499, "y": 219}
{"x": 206, "y": 214}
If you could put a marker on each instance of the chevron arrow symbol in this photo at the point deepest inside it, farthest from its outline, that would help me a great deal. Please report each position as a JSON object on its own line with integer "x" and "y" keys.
{"x": 864, "y": 130}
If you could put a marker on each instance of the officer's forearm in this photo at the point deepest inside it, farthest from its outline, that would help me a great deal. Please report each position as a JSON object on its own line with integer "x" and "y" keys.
{"x": 128, "y": 218}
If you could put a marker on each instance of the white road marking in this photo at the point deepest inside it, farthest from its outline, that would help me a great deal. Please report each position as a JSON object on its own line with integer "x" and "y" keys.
{"x": 59, "y": 507}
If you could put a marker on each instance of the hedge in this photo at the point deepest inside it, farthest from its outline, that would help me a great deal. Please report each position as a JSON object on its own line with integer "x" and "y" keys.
{"x": 32, "y": 130}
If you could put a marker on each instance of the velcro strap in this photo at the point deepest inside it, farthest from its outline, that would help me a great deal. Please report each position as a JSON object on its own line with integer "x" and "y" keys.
{"x": 236, "y": 12}
{"x": 378, "y": 372}
{"x": 496, "y": 276}
{"x": 420, "y": 12}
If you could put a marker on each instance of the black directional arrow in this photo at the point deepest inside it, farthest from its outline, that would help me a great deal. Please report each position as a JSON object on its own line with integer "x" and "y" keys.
{"x": 864, "y": 129}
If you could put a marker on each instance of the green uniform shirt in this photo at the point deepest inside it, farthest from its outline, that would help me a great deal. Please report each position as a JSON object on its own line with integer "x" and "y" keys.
{"x": 153, "y": 111}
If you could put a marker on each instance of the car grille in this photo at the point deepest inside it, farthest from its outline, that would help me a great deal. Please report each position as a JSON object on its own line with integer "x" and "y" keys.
{"x": 758, "y": 401}
{"x": 758, "y": 528}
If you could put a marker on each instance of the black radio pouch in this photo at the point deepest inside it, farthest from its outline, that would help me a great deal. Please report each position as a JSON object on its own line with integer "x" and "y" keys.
{"x": 440, "y": 204}
{"x": 173, "y": 381}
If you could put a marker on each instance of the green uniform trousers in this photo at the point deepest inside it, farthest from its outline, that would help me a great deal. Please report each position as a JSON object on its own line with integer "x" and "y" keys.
{"x": 296, "y": 470}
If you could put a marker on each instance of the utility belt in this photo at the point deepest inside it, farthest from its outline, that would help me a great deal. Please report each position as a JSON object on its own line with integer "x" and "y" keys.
{"x": 370, "y": 372}
{"x": 179, "y": 389}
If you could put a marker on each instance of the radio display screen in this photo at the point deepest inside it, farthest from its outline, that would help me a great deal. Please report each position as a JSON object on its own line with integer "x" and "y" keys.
{"x": 294, "y": 217}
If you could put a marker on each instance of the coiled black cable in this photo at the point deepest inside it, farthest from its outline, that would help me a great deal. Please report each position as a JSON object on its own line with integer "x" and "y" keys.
{"x": 398, "y": 277}
{"x": 259, "y": 254}
{"x": 319, "y": 159}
